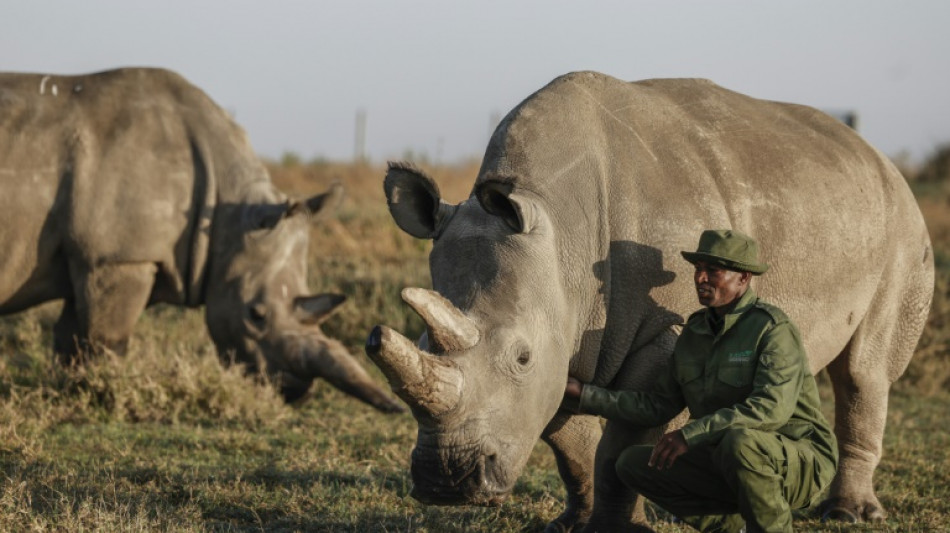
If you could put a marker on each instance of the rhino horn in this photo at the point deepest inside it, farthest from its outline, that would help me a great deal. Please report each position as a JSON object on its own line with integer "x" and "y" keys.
{"x": 426, "y": 382}
{"x": 449, "y": 329}
{"x": 321, "y": 357}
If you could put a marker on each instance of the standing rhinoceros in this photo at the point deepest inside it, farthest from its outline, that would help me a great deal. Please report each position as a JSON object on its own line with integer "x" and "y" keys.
{"x": 565, "y": 261}
{"x": 128, "y": 188}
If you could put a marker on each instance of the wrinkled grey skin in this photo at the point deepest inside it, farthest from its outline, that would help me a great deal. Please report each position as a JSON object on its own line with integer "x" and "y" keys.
{"x": 565, "y": 261}
{"x": 128, "y": 188}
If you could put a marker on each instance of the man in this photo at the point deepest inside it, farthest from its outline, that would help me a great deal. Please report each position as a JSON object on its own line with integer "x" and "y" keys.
{"x": 756, "y": 445}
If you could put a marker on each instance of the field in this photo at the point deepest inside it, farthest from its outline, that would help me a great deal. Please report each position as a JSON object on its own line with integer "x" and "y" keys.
{"x": 166, "y": 439}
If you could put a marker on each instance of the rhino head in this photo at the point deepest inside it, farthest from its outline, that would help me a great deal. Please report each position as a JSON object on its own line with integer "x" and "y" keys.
{"x": 489, "y": 373}
{"x": 258, "y": 308}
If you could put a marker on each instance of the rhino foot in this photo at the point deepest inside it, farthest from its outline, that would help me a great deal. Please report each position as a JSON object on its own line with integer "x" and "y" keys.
{"x": 852, "y": 511}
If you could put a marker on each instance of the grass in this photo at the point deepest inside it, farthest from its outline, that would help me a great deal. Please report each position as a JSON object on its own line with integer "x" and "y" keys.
{"x": 166, "y": 439}
{"x": 335, "y": 465}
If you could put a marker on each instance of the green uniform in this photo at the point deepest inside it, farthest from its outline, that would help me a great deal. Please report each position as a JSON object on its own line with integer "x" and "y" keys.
{"x": 758, "y": 443}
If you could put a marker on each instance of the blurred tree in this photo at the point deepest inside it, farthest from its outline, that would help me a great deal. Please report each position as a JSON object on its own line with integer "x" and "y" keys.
{"x": 937, "y": 168}
{"x": 290, "y": 160}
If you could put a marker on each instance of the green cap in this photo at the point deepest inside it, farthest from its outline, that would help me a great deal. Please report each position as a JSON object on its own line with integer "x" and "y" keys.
{"x": 729, "y": 249}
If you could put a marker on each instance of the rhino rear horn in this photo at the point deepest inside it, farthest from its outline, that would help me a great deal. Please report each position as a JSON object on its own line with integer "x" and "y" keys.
{"x": 426, "y": 382}
{"x": 449, "y": 330}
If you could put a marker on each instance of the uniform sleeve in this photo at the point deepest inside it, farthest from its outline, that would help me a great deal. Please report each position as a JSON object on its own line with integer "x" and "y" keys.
{"x": 639, "y": 408}
{"x": 776, "y": 386}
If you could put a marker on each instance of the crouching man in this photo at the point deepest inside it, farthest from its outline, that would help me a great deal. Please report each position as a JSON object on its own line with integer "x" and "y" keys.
{"x": 756, "y": 445}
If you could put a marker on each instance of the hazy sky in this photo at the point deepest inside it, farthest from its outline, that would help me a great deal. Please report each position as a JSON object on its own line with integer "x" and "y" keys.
{"x": 431, "y": 75}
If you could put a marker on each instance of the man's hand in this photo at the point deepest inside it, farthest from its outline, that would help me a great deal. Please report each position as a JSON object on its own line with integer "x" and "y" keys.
{"x": 667, "y": 449}
{"x": 572, "y": 395}
{"x": 574, "y": 388}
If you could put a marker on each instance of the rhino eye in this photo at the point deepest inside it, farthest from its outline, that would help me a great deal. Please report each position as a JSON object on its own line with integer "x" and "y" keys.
{"x": 257, "y": 312}
{"x": 524, "y": 358}
{"x": 517, "y": 362}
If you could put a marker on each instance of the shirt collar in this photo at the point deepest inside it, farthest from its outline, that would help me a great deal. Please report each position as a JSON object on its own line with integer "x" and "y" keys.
{"x": 746, "y": 301}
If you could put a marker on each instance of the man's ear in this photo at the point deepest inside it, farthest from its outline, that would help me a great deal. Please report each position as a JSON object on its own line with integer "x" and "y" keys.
{"x": 497, "y": 198}
{"x": 414, "y": 201}
{"x": 315, "y": 309}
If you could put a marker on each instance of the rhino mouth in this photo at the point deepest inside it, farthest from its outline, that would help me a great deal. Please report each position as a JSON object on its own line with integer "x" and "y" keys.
{"x": 456, "y": 476}
{"x": 292, "y": 388}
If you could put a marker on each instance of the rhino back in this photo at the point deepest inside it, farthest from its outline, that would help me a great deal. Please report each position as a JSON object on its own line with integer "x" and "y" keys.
{"x": 106, "y": 167}
{"x": 631, "y": 173}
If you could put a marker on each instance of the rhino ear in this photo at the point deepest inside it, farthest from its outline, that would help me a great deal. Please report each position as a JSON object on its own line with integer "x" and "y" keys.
{"x": 497, "y": 198}
{"x": 414, "y": 201}
{"x": 264, "y": 216}
{"x": 315, "y": 309}
{"x": 321, "y": 205}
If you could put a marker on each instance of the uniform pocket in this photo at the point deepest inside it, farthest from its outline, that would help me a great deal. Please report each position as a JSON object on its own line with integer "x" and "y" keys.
{"x": 690, "y": 378}
{"x": 736, "y": 376}
{"x": 688, "y": 373}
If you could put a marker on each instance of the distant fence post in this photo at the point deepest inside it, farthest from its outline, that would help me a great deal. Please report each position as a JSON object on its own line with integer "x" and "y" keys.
{"x": 849, "y": 117}
{"x": 359, "y": 149}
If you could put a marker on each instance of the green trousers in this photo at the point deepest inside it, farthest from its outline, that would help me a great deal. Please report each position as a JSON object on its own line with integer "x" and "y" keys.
{"x": 749, "y": 477}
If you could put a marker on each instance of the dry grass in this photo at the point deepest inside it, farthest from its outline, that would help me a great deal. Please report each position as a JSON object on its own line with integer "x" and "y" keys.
{"x": 166, "y": 439}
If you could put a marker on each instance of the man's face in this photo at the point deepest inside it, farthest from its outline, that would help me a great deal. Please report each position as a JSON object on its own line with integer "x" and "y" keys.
{"x": 717, "y": 287}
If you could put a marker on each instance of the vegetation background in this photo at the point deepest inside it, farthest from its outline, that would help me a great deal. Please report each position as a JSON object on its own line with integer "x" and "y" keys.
{"x": 166, "y": 439}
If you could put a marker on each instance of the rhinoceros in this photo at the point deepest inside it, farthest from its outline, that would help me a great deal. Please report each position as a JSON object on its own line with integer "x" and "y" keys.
{"x": 131, "y": 187}
{"x": 564, "y": 261}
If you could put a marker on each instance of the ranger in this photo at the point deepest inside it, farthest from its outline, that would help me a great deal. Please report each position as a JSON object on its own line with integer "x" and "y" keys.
{"x": 756, "y": 445}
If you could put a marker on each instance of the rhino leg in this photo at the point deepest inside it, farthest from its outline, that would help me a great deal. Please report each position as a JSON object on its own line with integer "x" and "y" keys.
{"x": 860, "y": 415}
{"x": 108, "y": 301}
{"x": 617, "y": 507}
{"x": 862, "y": 374}
{"x": 67, "y": 343}
{"x": 573, "y": 438}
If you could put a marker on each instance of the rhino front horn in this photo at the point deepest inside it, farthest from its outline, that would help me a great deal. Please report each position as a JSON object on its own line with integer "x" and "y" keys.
{"x": 425, "y": 382}
{"x": 449, "y": 329}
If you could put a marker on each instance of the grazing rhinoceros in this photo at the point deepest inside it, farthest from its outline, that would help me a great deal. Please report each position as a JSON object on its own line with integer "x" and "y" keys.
{"x": 564, "y": 261}
{"x": 128, "y": 188}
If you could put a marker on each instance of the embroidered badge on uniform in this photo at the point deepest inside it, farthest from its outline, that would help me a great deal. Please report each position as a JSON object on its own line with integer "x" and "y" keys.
{"x": 740, "y": 357}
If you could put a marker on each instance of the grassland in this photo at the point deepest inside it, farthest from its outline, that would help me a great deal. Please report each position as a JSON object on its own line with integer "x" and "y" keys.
{"x": 166, "y": 439}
